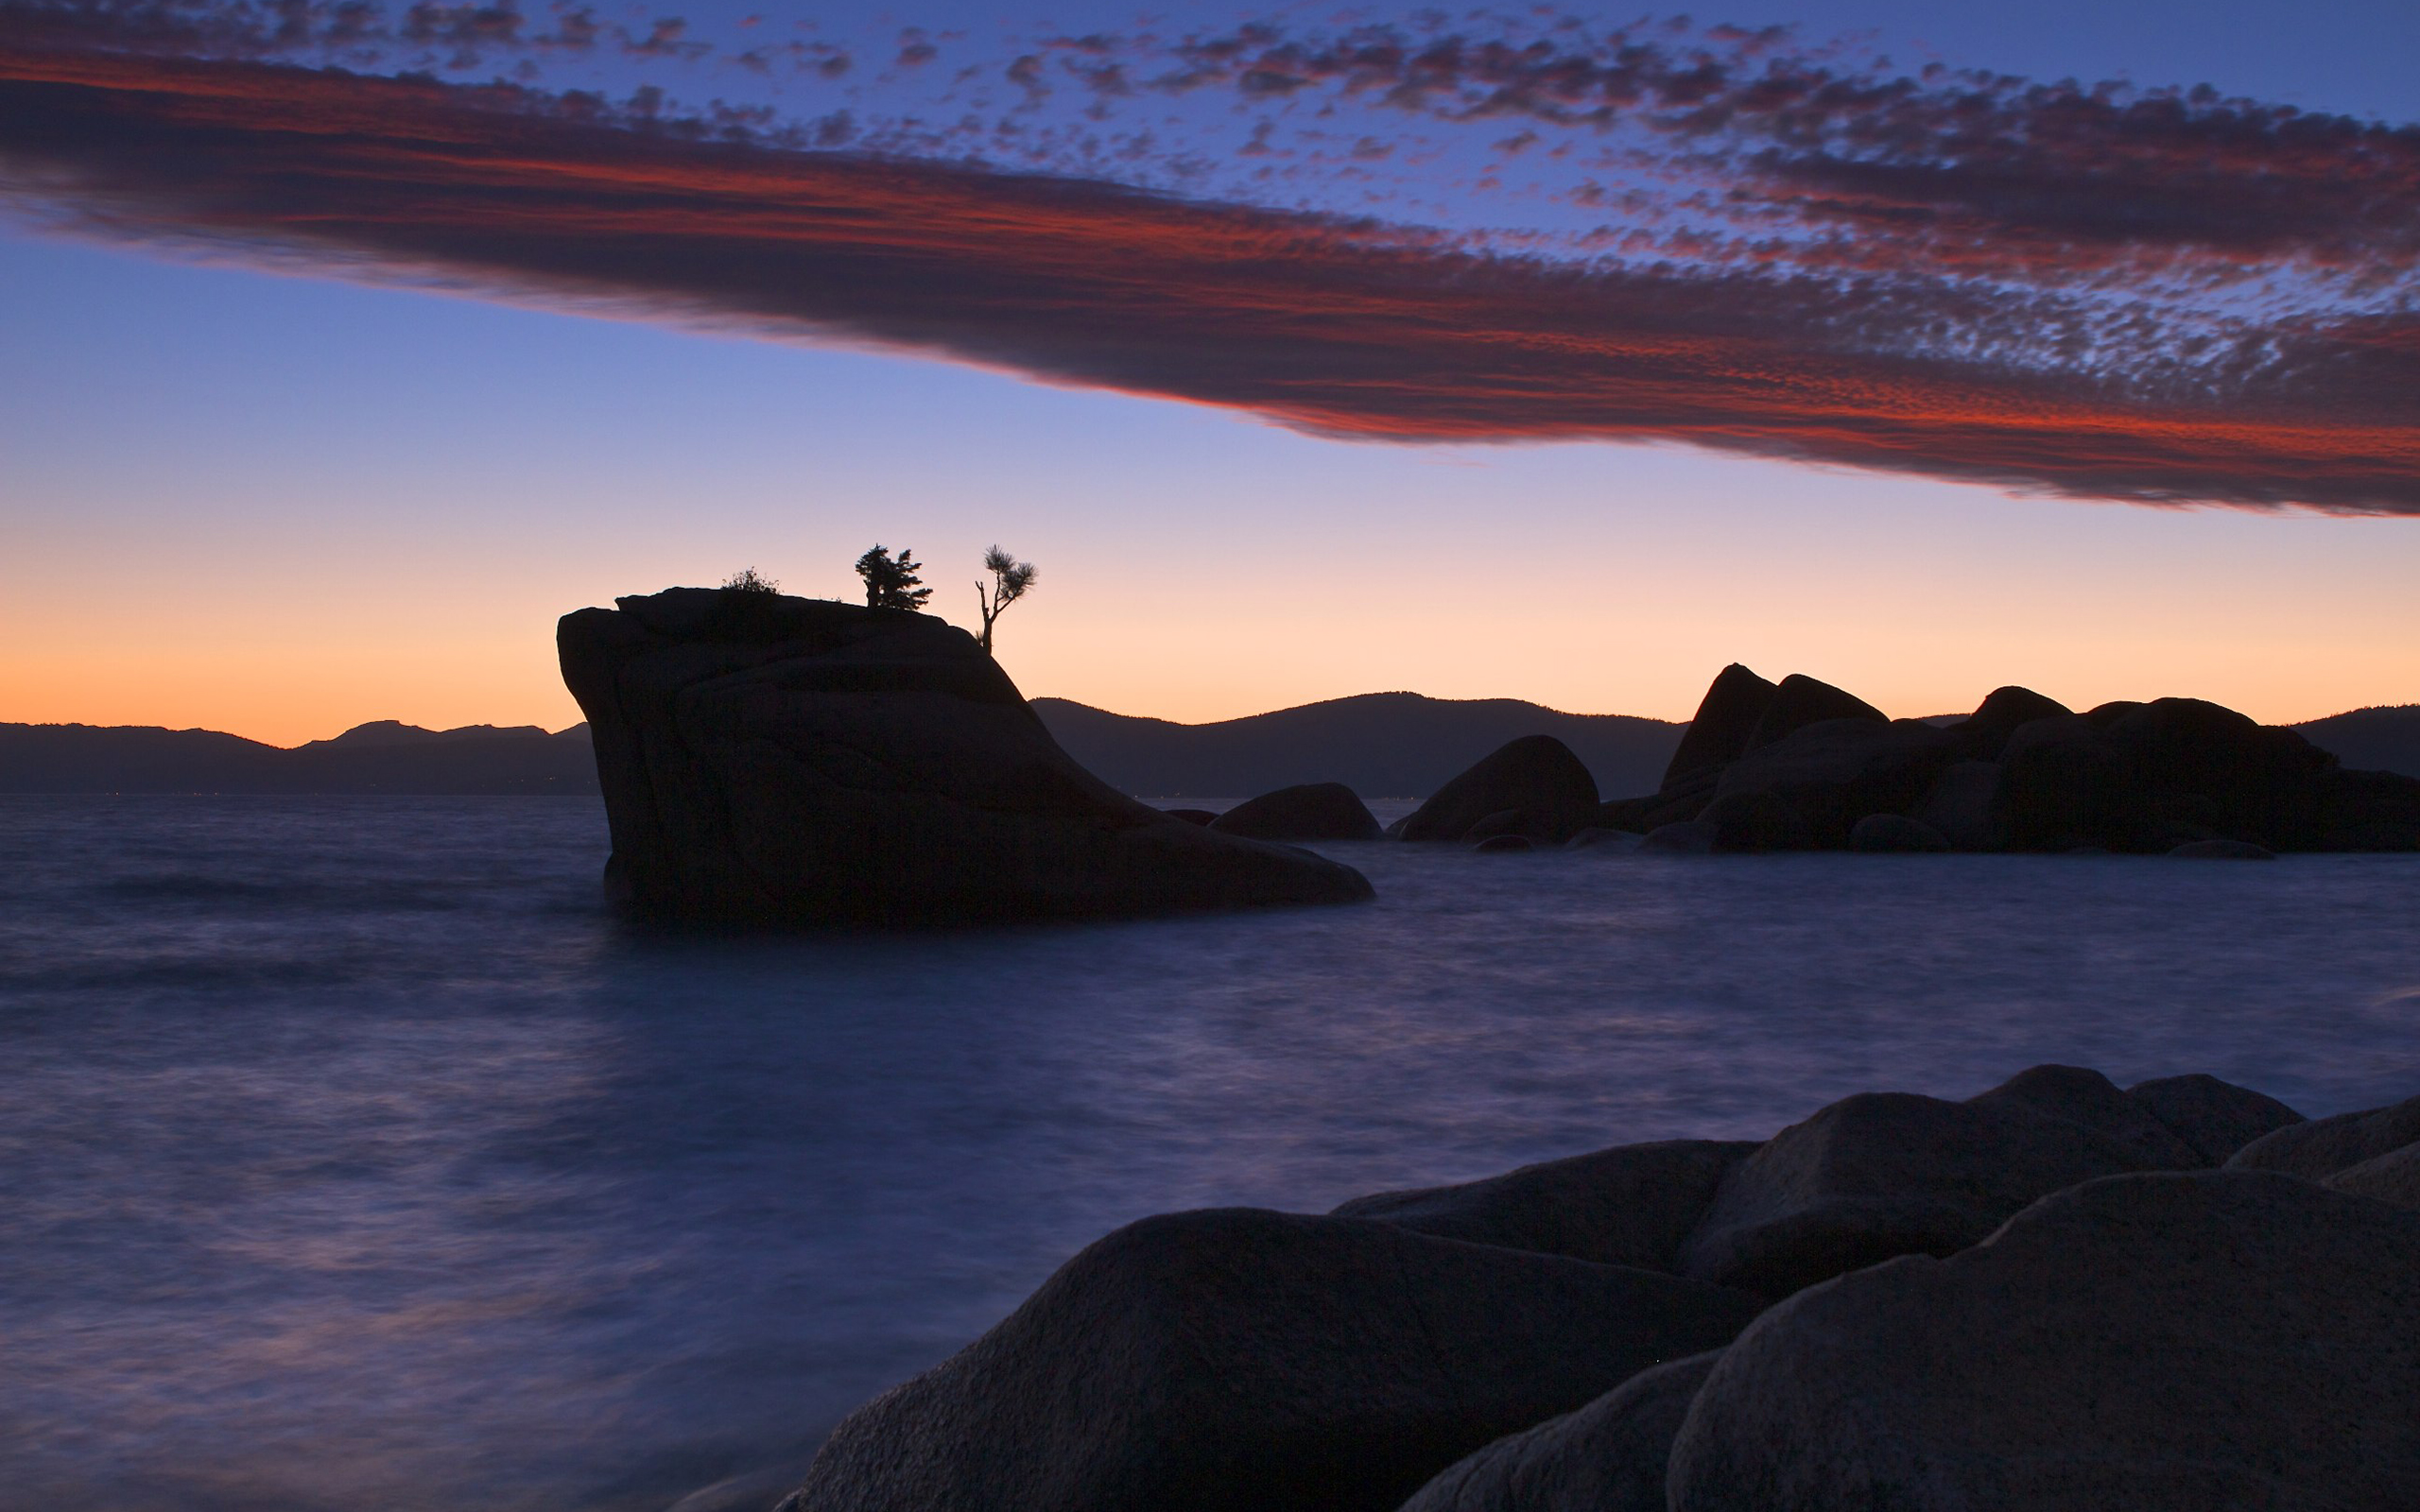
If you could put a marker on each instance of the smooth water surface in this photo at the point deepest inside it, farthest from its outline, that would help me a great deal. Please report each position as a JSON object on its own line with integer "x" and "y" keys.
{"x": 351, "y": 1156}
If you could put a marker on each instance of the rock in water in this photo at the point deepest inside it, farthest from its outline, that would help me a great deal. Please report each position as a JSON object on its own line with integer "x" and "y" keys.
{"x": 1205, "y": 1362}
{"x": 2174, "y": 1343}
{"x": 1609, "y": 1456}
{"x": 1726, "y": 716}
{"x": 1800, "y": 701}
{"x": 1310, "y": 811}
{"x": 775, "y": 760}
{"x": 1547, "y": 790}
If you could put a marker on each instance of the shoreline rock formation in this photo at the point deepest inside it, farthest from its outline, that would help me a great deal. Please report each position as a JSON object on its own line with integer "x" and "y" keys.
{"x": 2057, "y": 1296}
{"x": 770, "y": 760}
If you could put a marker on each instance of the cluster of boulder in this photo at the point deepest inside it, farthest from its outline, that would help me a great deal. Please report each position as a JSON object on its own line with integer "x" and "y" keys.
{"x": 1800, "y": 765}
{"x": 772, "y": 760}
{"x": 2054, "y": 1295}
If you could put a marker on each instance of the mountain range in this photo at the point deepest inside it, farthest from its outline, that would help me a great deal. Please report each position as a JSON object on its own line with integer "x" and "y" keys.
{"x": 381, "y": 757}
{"x": 1381, "y": 744}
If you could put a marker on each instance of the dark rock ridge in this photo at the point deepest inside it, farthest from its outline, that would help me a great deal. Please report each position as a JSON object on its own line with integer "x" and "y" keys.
{"x": 2046, "y": 1296}
{"x": 1802, "y": 764}
{"x": 777, "y": 760}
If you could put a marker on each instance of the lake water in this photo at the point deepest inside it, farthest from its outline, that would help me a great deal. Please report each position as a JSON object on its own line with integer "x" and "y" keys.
{"x": 351, "y": 1156}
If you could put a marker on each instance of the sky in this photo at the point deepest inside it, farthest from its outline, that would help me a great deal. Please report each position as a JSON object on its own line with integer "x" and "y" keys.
{"x": 1562, "y": 356}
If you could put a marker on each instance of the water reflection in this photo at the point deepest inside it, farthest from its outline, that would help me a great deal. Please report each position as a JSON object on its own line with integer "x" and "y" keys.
{"x": 348, "y": 1155}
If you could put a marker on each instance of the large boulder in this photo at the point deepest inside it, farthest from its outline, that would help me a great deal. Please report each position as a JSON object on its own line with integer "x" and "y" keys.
{"x": 775, "y": 760}
{"x": 1312, "y": 811}
{"x": 2065, "y": 783}
{"x": 2249, "y": 780}
{"x": 1884, "y": 1174}
{"x": 2169, "y": 1342}
{"x": 1536, "y": 778}
{"x": 2323, "y": 1147}
{"x": 1835, "y": 772}
{"x": 1800, "y": 701}
{"x": 1727, "y": 717}
{"x": 1755, "y": 821}
{"x": 2393, "y": 1177}
{"x": 1986, "y": 730}
{"x": 1961, "y": 805}
{"x": 1631, "y": 1204}
{"x": 2217, "y": 1118}
{"x": 1216, "y": 1360}
{"x": 1608, "y": 1456}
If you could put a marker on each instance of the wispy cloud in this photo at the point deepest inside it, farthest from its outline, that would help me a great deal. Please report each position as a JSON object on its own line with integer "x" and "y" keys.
{"x": 2146, "y": 296}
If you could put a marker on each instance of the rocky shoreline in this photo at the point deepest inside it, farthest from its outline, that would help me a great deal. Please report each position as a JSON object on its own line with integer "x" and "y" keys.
{"x": 2056, "y": 1294}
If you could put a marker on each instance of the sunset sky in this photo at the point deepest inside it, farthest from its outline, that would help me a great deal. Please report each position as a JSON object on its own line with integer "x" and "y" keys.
{"x": 1309, "y": 352}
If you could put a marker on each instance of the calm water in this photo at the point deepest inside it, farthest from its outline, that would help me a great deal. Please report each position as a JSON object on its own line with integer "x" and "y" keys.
{"x": 350, "y": 1157}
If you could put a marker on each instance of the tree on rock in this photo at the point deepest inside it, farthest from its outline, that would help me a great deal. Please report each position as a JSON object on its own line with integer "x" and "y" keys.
{"x": 891, "y": 581}
{"x": 1011, "y": 578}
{"x": 750, "y": 581}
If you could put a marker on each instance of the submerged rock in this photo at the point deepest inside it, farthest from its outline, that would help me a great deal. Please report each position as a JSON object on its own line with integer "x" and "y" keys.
{"x": 1310, "y": 811}
{"x": 1227, "y": 1359}
{"x": 777, "y": 760}
{"x": 2169, "y": 1342}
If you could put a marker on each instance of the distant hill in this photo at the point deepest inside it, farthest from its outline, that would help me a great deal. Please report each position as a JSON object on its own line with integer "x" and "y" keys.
{"x": 1381, "y": 744}
{"x": 384, "y": 757}
{"x": 2375, "y": 740}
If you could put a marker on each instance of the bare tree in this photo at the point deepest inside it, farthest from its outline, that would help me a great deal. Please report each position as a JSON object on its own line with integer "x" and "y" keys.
{"x": 1010, "y": 579}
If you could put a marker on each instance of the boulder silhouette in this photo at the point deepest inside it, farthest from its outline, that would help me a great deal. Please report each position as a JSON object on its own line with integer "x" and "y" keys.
{"x": 1800, "y": 701}
{"x": 1207, "y": 1360}
{"x": 2393, "y": 1177}
{"x": 1960, "y": 807}
{"x": 1608, "y": 1456}
{"x": 1310, "y": 811}
{"x": 1986, "y": 730}
{"x": 1756, "y": 821}
{"x": 1727, "y": 717}
{"x": 785, "y": 760}
{"x": 1536, "y": 776}
{"x": 2319, "y": 1147}
{"x": 1835, "y": 772}
{"x": 2160, "y": 1343}
{"x": 1631, "y": 1204}
{"x": 2217, "y": 1118}
{"x": 1884, "y": 1174}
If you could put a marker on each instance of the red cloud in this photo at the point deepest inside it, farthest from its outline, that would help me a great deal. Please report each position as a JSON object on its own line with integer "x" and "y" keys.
{"x": 1329, "y": 326}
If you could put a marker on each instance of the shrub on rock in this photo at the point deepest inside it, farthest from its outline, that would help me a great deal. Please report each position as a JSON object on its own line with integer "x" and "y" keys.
{"x": 2162, "y": 1343}
{"x": 1207, "y": 1360}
